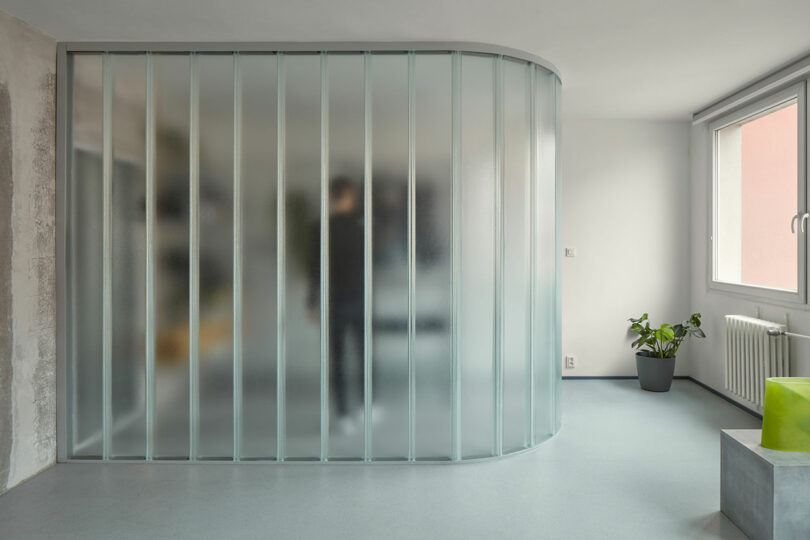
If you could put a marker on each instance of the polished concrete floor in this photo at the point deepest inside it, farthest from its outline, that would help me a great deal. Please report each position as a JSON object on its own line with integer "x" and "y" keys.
{"x": 627, "y": 464}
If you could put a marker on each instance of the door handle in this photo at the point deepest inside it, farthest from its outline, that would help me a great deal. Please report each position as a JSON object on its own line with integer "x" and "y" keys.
{"x": 803, "y": 217}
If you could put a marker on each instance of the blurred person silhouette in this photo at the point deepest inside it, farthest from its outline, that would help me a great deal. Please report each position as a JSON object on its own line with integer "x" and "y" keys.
{"x": 346, "y": 249}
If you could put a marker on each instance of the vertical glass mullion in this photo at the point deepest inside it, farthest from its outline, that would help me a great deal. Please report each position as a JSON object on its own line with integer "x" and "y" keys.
{"x": 107, "y": 169}
{"x": 194, "y": 255}
{"x": 498, "y": 237}
{"x": 281, "y": 358}
{"x": 456, "y": 239}
{"x": 367, "y": 258}
{"x": 237, "y": 257}
{"x": 324, "y": 256}
{"x": 531, "y": 240}
{"x": 411, "y": 258}
{"x": 150, "y": 258}
{"x": 70, "y": 233}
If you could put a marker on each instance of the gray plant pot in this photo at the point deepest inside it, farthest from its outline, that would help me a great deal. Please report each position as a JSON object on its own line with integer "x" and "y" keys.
{"x": 655, "y": 374}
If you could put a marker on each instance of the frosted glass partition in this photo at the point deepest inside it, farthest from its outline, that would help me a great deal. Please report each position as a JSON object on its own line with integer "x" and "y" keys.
{"x": 308, "y": 256}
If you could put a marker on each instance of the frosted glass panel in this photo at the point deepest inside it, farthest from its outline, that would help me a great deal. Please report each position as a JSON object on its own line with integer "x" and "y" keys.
{"x": 313, "y": 128}
{"x": 171, "y": 87}
{"x": 346, "y": 230}
{"x": 478, "y": 257}
{"x": 390, "y": 256}
{"x": 129, "y": 257}
{"x": 85, "y": 257}
{"x": 216, "y": 256}
{"x": 259, "y": 255}
{"x": 545, "y": 355}
{"x": 554, "y": 322}
{"x": 303, "y": 199}
{"x": 434, "y": 244}
{"x": 516, "y": 225}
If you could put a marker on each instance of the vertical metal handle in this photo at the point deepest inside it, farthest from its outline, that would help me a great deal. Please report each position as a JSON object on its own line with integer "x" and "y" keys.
{"x": 804, "y": 220}
{"x": 793, "y": 223}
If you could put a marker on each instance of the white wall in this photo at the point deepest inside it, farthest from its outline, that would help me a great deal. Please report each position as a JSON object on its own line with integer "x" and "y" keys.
{"x": 708, "y": 356}
{"x": 626, "y": 210}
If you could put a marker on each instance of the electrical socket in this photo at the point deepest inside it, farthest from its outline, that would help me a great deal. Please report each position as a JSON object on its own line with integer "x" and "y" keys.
{"x": 570, "y": 361}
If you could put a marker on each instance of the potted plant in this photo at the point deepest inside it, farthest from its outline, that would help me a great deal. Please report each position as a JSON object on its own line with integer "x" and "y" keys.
{"x": 656, "y": 349}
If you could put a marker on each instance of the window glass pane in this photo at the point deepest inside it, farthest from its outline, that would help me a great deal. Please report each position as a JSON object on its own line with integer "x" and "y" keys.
{"x": 171, "y": 255}
{"x": 86, "y": 209}
{"x": 477, "y": 256}
{"x": 303, "y": 203}
{"x": 128, "y": 257}
{"x": 346, "y": 237}
{"x": 434, "y": 255}
{"x": 756, "y": 194}
{"x": 259, "y": 255}
{"x": 545, "y": 359}
{"x": 516, "y": 293}
{"x": 216, "y": 256}
{"x": 390, "y": 232}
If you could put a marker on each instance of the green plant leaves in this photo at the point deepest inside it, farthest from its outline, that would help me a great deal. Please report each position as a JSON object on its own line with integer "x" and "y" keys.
{"x": 665, "y": 333}
{"x": 663, "y": 342}
{"x": 639, "y": 320}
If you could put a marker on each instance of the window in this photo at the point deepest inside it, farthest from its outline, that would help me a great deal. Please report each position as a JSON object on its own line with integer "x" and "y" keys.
{"x": 759, "y": 221}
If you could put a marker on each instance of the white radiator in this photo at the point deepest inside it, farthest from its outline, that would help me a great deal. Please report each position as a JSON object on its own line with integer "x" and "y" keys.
{"x": 752, "y": 355}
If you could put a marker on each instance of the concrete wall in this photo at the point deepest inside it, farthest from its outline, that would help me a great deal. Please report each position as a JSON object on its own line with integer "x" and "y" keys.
{"x": 708, "y": 357}
{"x": 27, "y": 252}
{"x": 626, "y": 211}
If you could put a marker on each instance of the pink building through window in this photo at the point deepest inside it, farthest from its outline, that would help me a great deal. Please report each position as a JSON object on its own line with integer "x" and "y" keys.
{"x": 769, "y": 172}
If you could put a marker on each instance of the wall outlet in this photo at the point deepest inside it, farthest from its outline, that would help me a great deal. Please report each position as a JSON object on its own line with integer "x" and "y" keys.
{"x": 570, "y": 252}
{"x": 570, "y": 361}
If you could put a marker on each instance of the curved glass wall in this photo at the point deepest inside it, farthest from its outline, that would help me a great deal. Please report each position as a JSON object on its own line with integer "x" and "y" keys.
{"x": 310, "y": 256}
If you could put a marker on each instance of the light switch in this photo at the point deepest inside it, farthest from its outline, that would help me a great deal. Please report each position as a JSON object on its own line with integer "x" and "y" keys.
{"x": 570, "y": 252}
{"x": 570, "y": 361}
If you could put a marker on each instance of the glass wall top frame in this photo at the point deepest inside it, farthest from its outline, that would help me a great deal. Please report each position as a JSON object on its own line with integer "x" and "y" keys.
{"x": 470, "y": 47}
{"x": 500, "y": 116}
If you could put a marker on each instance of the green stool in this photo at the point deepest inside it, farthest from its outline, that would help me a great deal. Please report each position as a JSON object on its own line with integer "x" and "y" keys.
{"x": 786, "y": 415}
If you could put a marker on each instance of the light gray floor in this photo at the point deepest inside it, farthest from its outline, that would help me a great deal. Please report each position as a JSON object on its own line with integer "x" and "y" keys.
{"x": 627, "y": 464}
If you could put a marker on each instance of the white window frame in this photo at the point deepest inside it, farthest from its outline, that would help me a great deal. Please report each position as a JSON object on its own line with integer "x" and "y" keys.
{"x": 797, "y": 92}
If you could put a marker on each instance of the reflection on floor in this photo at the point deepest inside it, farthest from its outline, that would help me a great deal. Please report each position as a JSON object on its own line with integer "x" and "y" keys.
{"x": 627, "y": 464}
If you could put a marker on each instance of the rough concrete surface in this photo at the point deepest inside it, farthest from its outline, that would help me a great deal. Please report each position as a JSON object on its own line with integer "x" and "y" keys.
{"x": 27, "y": 254}
{"x": 5, "y": 284}
{"x": 766, "y": 493}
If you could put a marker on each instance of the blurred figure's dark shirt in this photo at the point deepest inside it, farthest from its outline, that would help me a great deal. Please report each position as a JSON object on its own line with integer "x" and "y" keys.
{"x": 345, "y": 263}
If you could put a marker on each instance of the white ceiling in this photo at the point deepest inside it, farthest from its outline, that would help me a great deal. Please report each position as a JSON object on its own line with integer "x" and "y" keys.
{"x": 618, "y": 58}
